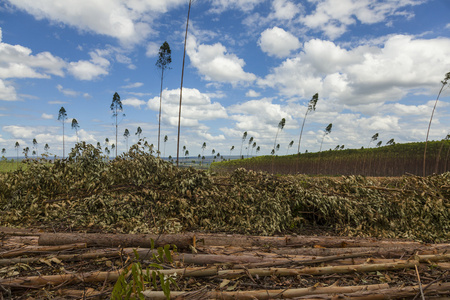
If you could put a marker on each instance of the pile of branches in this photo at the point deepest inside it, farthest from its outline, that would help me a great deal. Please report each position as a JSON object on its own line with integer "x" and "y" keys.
{"x": 218, "y": 266}
{"x": 140, "y": 193}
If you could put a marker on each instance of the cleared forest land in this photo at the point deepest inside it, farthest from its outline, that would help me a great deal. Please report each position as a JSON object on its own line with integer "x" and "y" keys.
{"x": 70, "y": 227}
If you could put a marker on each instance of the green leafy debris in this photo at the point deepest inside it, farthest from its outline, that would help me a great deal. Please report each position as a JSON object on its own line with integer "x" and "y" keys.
{"x": 140, "y": 193}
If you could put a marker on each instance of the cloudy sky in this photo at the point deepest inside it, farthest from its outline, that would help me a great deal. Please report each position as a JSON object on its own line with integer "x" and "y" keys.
{"x": 377, "y": 66}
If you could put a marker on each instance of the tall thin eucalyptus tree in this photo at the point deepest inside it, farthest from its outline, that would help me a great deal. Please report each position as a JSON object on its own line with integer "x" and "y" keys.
{"x": 62, "y": 116}
{"x": 280, "y": 127}
{"x": 181, "y": 87}
{"x": 311, "y": 107}
{"x": 75, "y": 126}
{"x": 164, "y": 59}
{"x": 116, "y": 107}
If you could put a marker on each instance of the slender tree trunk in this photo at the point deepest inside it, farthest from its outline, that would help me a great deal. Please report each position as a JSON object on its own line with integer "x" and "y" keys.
{"x": 276, "y": 136}
{"x": 181, "y": 87}
{"x": 428, "y": 131}
{"x": 63, "y": 139}
{"x": 436, "y": 167}
{"x": 301, "y": 132}
{"x": 160, "y": 104}
{"x": 117, "y": 146}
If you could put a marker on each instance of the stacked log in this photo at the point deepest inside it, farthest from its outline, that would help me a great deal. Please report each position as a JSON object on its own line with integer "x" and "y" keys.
{"x": 221, "y": 266}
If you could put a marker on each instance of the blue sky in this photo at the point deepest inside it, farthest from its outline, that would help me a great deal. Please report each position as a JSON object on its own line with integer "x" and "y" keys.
{"x": 377, "y": 66}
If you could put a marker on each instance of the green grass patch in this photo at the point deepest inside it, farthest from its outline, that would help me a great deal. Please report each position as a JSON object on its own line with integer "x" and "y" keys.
{"x": 9, "y": 165}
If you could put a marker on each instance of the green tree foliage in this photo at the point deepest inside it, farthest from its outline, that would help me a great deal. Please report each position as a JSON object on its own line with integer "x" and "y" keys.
{"x": 111, "y": 196}
{"x": 62, "y": 116}
{"x": 165, "y": 142}
{"x": 373, "y": 139}
{"x": 17, "y": 146}
{"x": 126, "y": 135}
{"x": 25, "y": 151}
{"x": 311, "y": 107}
{"x": 116, "y": 107}
{"x": 35, "y": 143}
{"x": 163, "y": 62}
{"x": 250, "y": 141}
{"x": 289, "y": 146}
{"x": 138, "y": 132}
{"x": 46, "y": 148}
{"x": 281, "y": 125}
{"x": 390, "y": 142}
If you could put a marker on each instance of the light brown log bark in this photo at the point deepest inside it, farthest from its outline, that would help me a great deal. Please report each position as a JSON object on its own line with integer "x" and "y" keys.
{"x": 269, "y": 294}
{"x": 215, "y": 271}
{"x": 75, "y": 257}
{"x": 401, "y": 292}
{"x": 30, "y": 250}
{"x": 368, "y": 292}
{"x": 185, "y": 239}
{"x": 39, "y": 281}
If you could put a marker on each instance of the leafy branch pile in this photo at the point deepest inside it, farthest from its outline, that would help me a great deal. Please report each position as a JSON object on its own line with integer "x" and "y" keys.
{"x": 138, "y": 192}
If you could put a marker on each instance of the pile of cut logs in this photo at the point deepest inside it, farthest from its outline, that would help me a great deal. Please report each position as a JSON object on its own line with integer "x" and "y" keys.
{"x": 36, "y": 264}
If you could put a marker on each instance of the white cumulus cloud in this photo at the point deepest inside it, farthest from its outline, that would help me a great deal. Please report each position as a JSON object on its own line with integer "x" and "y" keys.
{"x": 17, "y": 61}
{"x": 334, "y": 17}
{"x": 196, "y": 107}
{"x": 364, "y": 74}
{"x": 7, "y": 92}
{"x": 135, "y": 102}
{"x": 89, "y": 70}
{"x": 278, "y": 42}
{"x": 47, "y": 116}
{"x": 216, "y": 64}
{"x": 128, "y": 21}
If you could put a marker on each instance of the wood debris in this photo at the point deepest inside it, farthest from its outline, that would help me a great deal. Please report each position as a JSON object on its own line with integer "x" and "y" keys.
{"x": 253, "y": 267}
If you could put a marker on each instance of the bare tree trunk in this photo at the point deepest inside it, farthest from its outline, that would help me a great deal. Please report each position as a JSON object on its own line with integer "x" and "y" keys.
{"x": 181, "y": 87}
{"x": 429, "y": 124}
{"x": 160, "y": 104}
